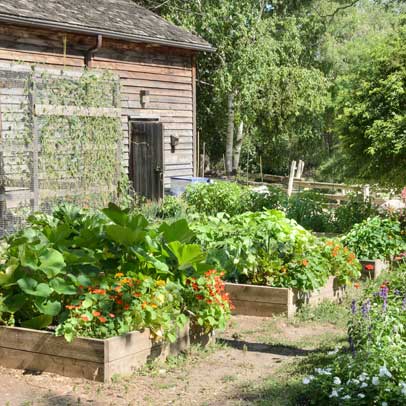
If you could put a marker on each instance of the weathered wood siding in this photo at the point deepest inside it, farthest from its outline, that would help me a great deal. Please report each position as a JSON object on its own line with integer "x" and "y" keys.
{"x": 167, "y": 73}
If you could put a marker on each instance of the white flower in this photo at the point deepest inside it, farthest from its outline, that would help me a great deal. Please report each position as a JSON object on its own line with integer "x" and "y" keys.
{"x": 361, "y": 395}
{"x": 383, "y": 371}
{"x": 334, "y": 394}
{"x": 363, "y": 385}
{"x": 337, "y": 380}
{"x": 356, "y": 381}
{"x": 384, "y": 403}
{"x": 334, "y": 352}
{"x": 375, "y": 380}
{"x": 403, "y": 391}
{"x": 306, "y": 380}
{"x": 346, "y": 397}
{"x": 363, "y": 377}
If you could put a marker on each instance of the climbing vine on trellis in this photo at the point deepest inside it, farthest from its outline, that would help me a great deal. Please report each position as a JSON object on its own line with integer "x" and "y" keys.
{"x": 79, "y": 153}
{"x": 56, "y": 157}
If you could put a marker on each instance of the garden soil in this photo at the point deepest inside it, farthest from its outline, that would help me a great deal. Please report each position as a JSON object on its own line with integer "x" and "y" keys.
{"x": 251, "y": 350}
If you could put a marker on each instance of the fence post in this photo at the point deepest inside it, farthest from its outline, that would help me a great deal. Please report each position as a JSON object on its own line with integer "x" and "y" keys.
{"x": 367, "y": 192}
{"x": 291, "y": 178}
{"x": 300, "y": 169}
{"x": 3, "y": 201}
{"x": 35, "y": 148}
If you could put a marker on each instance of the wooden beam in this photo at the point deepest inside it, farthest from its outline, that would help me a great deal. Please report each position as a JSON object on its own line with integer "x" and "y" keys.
{"x": 50, "y": 110}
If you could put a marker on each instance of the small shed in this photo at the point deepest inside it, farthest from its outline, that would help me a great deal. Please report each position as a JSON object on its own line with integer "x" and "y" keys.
{"x": 152, "y": 61}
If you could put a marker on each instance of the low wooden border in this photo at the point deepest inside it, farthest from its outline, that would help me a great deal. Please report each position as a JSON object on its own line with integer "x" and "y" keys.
{"x": 88, "y": 358}
{"x": 372, "y": 268}
{"x": 265, "y": 301}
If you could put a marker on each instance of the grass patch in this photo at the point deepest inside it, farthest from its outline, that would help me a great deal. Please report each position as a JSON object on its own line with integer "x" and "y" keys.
{"x": 193, "y": 355}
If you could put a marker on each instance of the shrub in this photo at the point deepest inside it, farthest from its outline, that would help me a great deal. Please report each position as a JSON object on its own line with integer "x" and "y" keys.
{"x": 375, "y": 238}
{"x": 210, "y": 199}
{"x": 100, "y": 274}
{"x": 310, "y": 210}
{"x": 353, "y": 211}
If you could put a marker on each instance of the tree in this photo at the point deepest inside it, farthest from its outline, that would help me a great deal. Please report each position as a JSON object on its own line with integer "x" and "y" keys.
{"x": 372, "y": 120}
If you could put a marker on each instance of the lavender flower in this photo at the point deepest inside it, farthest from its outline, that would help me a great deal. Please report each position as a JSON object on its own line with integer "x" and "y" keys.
{"x": 352, "y": 346}
{"x": 365, "y": 308}
{"x": 383, "y": 292}
{"x": 353, "y": 306}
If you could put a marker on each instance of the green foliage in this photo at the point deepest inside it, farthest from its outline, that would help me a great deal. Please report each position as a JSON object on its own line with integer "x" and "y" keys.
{"x": 210, "y": 199}
{"x": 101, "y": 274}
{"x": 372, "y": 121}
{"x": 310, "y": 210}
{"x": 375, "y": 370}
{"x": 266, "y": 248}
{"x": 375, "y": 238}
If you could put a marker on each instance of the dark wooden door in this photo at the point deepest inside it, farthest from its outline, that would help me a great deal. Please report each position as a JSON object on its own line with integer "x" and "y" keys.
{"x": 146, "y": 159}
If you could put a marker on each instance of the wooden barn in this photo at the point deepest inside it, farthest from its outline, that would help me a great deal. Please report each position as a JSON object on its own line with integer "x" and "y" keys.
{"x": 154, "y": 61}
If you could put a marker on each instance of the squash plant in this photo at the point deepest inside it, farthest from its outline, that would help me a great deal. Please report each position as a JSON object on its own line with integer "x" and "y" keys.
{"x": 60, "y": 265}
{"x": 266, "y": 248}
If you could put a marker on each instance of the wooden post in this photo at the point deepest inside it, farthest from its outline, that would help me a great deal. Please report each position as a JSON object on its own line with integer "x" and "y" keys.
{"x": 116, "y": 104}
{"x": 35, "y": 148}
{"x": 194, "y": 119}
{"x": 300, "y": 169}
{"x": 261, "y": 169}
{"x": 198, "y": 161}
{"x": 204, "y": 159}
{"x": 291, "y": 178}
{"x": 3, "y": 201}
{"x": 367, "y": 192}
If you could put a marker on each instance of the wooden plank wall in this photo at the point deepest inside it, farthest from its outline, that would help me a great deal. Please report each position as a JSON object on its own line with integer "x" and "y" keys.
{"x": 166, "y": 73}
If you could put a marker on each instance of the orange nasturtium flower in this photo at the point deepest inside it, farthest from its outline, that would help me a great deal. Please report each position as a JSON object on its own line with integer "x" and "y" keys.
{"x": 70, "y": 307}
{"x": 102, "y": 319}
{"x": 305, "y": 262}
{"x": 369, "y": 267}
{"x": 119, "y": 275}
{"x": 356, "y": 285}
{"x": 95, "y": 313}
{"x": 84, "y": 317}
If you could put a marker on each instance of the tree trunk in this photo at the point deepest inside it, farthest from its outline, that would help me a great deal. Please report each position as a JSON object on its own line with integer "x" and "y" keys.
{"x": 230, "y": 135}
{"x": 237, "y": 147}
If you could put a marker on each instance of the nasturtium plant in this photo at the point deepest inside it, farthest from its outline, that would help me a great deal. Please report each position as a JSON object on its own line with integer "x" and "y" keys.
{"x": 376, "y": 238}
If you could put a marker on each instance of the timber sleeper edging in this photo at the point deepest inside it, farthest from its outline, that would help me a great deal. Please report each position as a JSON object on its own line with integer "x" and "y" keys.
{"x": 89, "y": 358}
{"x": 266, "y": 301}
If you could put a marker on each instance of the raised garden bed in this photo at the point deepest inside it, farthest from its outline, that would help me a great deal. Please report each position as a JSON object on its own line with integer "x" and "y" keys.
{"x": 265, "y": 301}
{"x": 88, "y": 358}
{"x": 371, "y": 269}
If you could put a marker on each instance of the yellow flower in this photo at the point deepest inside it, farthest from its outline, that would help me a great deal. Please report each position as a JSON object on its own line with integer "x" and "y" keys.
{"x": 160, "y": 283}
{"x": 119, "y": 275}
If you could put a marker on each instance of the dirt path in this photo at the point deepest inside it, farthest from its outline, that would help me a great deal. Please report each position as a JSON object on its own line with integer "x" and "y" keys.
{"x": 251, "y": 350}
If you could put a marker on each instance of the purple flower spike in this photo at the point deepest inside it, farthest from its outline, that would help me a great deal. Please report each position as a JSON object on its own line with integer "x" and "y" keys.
{"x": 396, "y": 292}
{"x": 353, "y": 307}
{"x": 365, "y": 309}
{"x": 383, "y": 292}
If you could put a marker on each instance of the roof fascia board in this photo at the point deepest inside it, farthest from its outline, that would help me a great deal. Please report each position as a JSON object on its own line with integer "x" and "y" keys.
{"x": 108, "y": 34}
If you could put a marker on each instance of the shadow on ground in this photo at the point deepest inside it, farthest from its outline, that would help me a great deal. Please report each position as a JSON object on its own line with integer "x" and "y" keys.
{"x": 276, "y": 349}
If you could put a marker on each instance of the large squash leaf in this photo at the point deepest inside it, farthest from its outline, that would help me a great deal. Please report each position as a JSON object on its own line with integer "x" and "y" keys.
{"x": 188, "y": 255}
{"x": 177, "y": 231}
{"x": 51, "y": 263}
{"x": 38, "y": 323}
